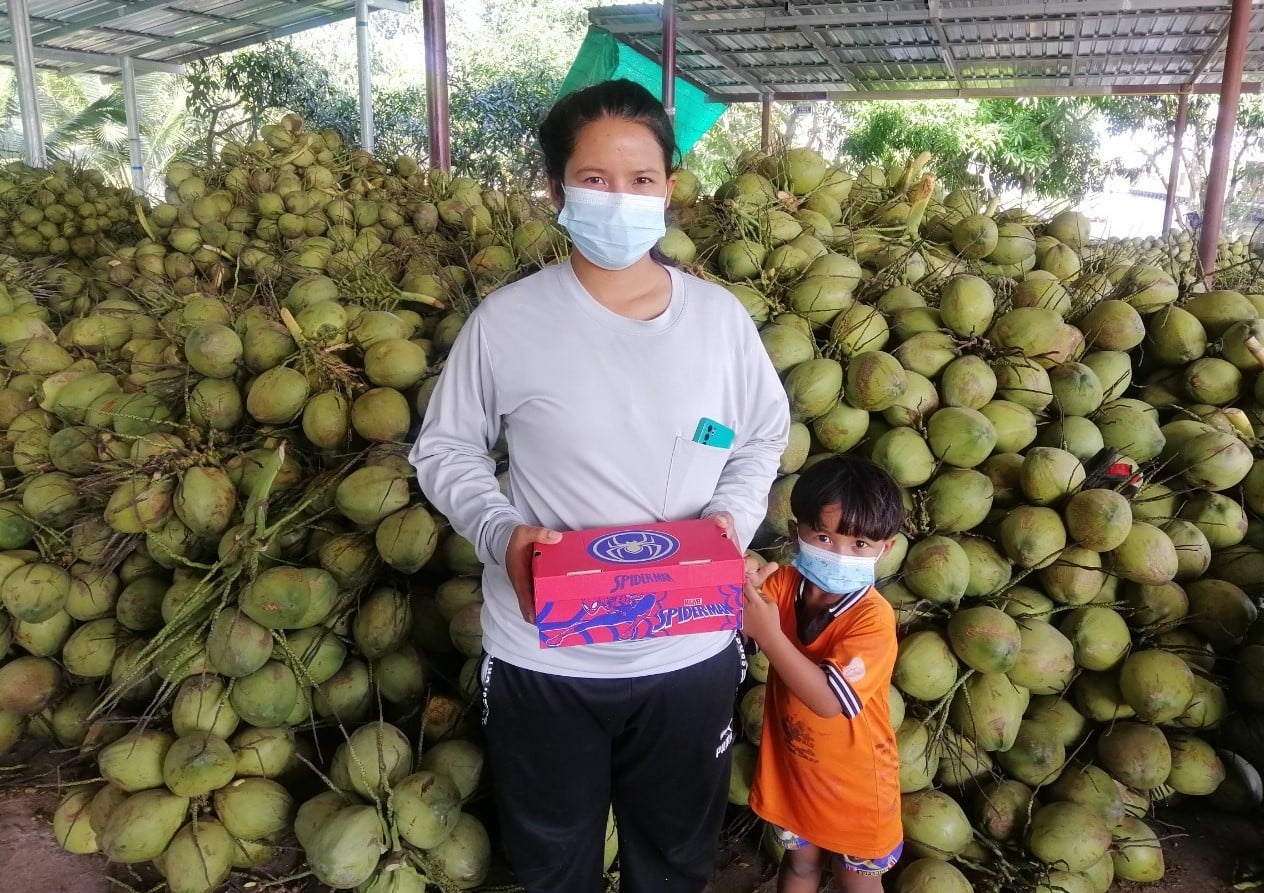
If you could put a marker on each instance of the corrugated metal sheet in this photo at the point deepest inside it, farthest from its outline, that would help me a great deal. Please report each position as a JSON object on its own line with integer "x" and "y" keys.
{"x": 742, "y": 50}
{"x": 92, "y": 35}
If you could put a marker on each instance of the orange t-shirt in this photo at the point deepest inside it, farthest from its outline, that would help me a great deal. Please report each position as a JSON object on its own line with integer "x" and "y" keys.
{"x": 834, "y": 781}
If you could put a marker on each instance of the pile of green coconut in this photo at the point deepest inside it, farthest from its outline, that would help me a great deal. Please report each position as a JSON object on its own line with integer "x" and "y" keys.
{"x": 226, "y": 602}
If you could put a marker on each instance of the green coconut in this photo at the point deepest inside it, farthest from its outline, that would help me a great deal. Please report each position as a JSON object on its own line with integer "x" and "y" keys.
{"x": 201, "y": 705}
{"x": 925, "y": 667}
{"x": 904, "y": 453}
{"x": 988, "y": 709}
{"x": 967, "y": 381}
{"x": 1220, "y": 612}
{"x": 382, "y": 622}
{"x": 935, "y": 826}
{"x": 199, "y": 858}
{"x": 1147, "y": 555}
{"x": 874, "y": 381}
{"x": 1015, "y": 425}
{"x": 984, "y": 638}
{"x": 427, "y": 806}
{"x": 786, "y": 346}
{"x": 1023, "y": 381}
{"x": 266, "y": 697}
{"x": 962, "y": 762}
{"x": 1000, "y": 809}
{"x": 1196, "y": 767}
{"x": 1099, "y": 636}
{"x": 1036, "y": 757}
{"x": 1049, "y": 475}
{"x": 975, "y": 236}
{"x": 140, "y": 828}
{"x": 961, "y": 437}
{"x": 1076, "y": 578}
{"x": 1046, "y": 658}
{"x": 1098, "y": 519}
{"x": 1157, "y": 684}
{"x": 989, "y": 569}
{"x": 1221, "y": 519}
{"x": 1068, "y": 835}
{"x": 374, "y": 757}
{"x": 967, "y": 304}
{"x": 254, "y": 808}
{"x": 344, "y": 849}
{"x": 277, "y": 395}
{"x": 937, "y": 569}
{"x": 1215, "y": 460}
{"x": 1137, "y": 853}
{"x": 1114, "y": 371}
{"x": 958, "y": 499}
{"x": 71, "y": 825}
{"x": 465, "y": 855}
{"x": 237, "y": 645}
{"x": 842, "y": 428}
{"x": 931, "y": 876}
{"x": 1135, "y": 753}
{"x": 1032, "y": 536}
{"x": 927, "y": 353}
{"x": 814, "y": 387}
{"x": 197, "y": 764}
{"x": 919, "y": 756}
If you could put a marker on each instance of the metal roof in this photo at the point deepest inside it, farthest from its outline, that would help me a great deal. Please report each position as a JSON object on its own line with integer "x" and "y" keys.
{"x": 161, "y": 35}
{"x": 744, "y": 50}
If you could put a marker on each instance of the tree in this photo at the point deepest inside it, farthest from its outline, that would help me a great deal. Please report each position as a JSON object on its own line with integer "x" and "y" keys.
{"x": 84, "y": 120}
{"x": 1045, "y": 147}
{"x": 1155, "y": 116}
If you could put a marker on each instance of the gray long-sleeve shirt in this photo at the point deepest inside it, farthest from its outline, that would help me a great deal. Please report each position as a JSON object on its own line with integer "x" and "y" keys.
{"x": 599, "y": 412}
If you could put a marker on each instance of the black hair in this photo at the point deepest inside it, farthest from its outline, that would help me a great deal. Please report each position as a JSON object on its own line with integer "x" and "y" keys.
{"x": 871, "y": 500}
{"x": 623, "y": 99}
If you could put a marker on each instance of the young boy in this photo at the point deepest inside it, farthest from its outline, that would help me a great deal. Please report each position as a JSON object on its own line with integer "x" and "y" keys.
{"x": 828, "y": 772}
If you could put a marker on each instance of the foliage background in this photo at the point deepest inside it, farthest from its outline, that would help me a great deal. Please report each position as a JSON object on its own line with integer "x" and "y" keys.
{"x": 507, "y": 58}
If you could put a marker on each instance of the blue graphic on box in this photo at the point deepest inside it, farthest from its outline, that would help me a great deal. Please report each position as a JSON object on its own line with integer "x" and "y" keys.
{"x": 635, "y": 615}
{"x": 633, "y": 546}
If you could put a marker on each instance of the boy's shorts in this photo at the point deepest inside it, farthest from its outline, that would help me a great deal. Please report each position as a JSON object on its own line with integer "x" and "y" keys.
{"x": 792, "y": 841}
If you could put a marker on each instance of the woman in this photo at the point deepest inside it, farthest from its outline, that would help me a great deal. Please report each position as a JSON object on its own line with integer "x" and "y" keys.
{"x": 599, "y": 371}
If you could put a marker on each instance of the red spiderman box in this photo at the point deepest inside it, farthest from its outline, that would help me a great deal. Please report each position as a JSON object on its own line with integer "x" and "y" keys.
{"x": 612, "y": 584}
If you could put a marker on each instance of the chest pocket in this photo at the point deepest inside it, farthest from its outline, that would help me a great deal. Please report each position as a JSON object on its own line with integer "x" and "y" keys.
{"x": 691, "y": 478}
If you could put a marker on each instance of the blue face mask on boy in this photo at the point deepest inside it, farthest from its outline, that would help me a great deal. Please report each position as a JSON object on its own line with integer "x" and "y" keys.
{"x": 831, "y": 572}
{"x": 613, "y": 229}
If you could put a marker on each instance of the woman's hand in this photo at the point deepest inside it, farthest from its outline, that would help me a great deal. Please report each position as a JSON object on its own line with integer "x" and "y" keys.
{"x": 761, "y": 618}
{"x": 518, "y": 564}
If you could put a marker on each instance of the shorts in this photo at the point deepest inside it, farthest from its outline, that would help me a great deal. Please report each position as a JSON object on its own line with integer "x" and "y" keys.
{"x": 882, "y": 865}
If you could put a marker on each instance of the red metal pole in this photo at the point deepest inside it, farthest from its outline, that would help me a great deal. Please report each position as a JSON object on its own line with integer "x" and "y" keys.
{"x": 1182, "y": 118}
{"x": 1222, "y": 143}
{"x": 434, "y": 21}
{"x": 669, "y": 58}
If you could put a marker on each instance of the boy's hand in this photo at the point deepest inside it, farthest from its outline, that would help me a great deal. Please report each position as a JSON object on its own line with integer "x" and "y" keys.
{"x": 761, "y": 617}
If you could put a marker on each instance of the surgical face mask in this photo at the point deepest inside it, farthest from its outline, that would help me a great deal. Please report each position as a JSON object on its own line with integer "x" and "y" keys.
{"x": 613, "y": 229}
{"x": 832, "y": 572}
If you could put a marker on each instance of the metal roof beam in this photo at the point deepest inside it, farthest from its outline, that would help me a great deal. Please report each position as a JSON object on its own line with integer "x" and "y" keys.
{"x": 830, "y": 54}
{"x": 802, "y": 95}
{"x": 321, "y": 15}
{"x": 841, "y": 16}
{"x": 269, "y": 34}
{"x": 718, "y": 55}
{"x": 94, "y": 60}
{"x": 950, "y": 63}
{"x": 1213, "y": 51}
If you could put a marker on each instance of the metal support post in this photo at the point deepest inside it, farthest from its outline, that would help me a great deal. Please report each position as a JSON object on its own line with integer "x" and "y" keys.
{"x": 1222, "y": 143}
{"x": 669, "y": 58}
{"x": 28, "y": 94}
{"x": 765, "y": 124}
{"x": 364, "y": 73}
{"x": 436, "y": 29}
{"x": 139, "y": 184}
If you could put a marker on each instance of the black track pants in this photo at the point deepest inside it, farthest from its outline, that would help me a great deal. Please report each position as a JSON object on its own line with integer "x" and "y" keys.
{"x": 562, "y": 749}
